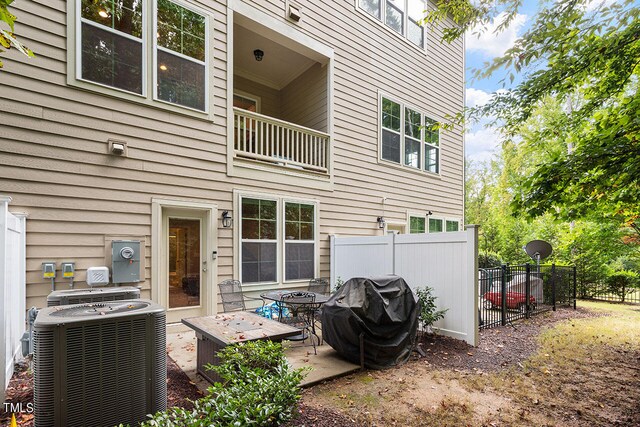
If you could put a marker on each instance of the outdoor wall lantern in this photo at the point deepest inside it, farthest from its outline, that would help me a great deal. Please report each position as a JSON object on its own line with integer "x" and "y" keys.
{"x": 226, "y": 219}
{"x": 381, "y": 222}
{"x": 258, "y": 54}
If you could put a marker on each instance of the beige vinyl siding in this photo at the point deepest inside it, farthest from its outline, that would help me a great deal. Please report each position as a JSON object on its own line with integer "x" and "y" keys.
{"x": 270, "y": 102}
{"x": 305, "y": 98}
{"x": 53, "y": 139}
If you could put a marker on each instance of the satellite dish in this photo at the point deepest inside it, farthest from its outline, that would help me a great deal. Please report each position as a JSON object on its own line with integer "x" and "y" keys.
{"x": 538, "y": 249}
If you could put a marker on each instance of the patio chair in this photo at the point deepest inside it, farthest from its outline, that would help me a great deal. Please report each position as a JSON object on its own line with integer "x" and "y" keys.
{"x": 232, "y": 296}
{"x": 319, "y": 286}
{"x": 301, "y": 307}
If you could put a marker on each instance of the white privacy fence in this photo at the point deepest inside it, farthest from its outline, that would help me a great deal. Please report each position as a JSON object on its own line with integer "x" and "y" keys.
{"x": 446, "y": 262}
{"x": 12, "y": 290}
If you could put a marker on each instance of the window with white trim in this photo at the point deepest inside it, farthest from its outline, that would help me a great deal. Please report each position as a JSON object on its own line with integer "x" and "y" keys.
{"x": 452, "y": 225}
{"x": 277, "y": 232}
{"x": 113, "y": 42}
{"x": 401, "y": 16}
{"x": 180, "y": 48}
{"x": 408, "y": 136}
{"x": 111, "y": 46}
{"x": 259, "y": 240}
{"x": 420, "y": 224}
{"x": 417, "y": 224}
{"x": 299, "y": 241}
{"x": 435, "y": 225}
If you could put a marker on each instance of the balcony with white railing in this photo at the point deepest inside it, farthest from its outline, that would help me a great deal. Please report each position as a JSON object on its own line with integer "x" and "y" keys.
{"x": 267, "y": 139}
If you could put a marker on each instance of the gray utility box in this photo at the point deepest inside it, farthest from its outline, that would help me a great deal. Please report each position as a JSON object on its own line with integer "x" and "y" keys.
{"x": 85, "y": 296}
{"x": 125, "y": 261}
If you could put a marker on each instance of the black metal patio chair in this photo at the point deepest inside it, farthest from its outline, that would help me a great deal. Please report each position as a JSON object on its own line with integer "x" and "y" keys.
{"x": 233, "y": 299}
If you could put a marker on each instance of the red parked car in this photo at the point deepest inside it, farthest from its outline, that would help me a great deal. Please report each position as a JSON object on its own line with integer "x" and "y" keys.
{"x": 515, "y": 301}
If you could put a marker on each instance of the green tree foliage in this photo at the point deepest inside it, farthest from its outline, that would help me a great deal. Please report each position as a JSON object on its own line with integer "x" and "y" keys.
{"x": 7, "y": 38}
{"x": 586, "y": 56}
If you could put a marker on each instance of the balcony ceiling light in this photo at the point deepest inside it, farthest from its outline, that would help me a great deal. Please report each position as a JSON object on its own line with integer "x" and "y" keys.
{"x": 103, "y": 13}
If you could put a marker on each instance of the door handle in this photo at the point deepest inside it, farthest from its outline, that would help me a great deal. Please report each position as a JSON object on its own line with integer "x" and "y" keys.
{"x": 204, "y": 266}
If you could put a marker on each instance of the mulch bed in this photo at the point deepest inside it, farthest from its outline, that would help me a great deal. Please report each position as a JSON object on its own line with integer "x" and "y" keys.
{"x": 499, "y": 348}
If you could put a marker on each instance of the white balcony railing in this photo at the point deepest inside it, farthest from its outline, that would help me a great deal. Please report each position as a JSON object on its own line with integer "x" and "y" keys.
{"x": 268, "y": 139}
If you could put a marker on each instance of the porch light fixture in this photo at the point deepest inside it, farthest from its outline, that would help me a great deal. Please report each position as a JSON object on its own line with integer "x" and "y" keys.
{"x": 226, "y": 219}
{"x": 381, "y": 222}
{"x": 258, "y": 54}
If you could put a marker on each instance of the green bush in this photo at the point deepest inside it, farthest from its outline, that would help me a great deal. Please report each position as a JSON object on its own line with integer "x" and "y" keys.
{"x": 429, "y": 314}
{"x": 259, "y": 388}
{"x": 621, "y": 283}
{"x": 488, "y": 259}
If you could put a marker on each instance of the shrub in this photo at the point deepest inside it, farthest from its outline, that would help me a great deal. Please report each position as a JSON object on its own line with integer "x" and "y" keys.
{"x": 428, "y": 309}
{"x": 259, "y": 388}
{"x": 339, "y": 283}
{"x": 621, "y": 283}
{"x": 488, "y": 259}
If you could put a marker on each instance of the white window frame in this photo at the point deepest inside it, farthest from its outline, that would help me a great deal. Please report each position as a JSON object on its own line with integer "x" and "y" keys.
{"x": 314, "y": 241}
{"x": 452, "y": 220}
{"x": 280, "y": 241}
{"x": 242, "y": 240}
{"x": 251, "y": 97}
{"x": 156, "y": 47}
{"x": 149, "y": 59}
{"x": 423, "y": 116}
{"x": 417, "y": 215}
{"x": 437, "y": 218}
{"x": 78, "y": 48}
{"x": 383, "y": 19}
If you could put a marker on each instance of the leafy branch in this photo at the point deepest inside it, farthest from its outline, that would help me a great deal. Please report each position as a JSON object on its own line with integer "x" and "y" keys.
{"x": 8, "y": 38}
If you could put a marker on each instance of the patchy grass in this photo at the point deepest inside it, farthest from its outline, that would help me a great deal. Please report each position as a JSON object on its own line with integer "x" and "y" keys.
{"x": 584, "y": 372}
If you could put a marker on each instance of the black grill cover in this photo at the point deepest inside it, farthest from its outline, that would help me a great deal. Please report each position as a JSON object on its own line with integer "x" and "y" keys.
{"x": 384, "y": 309}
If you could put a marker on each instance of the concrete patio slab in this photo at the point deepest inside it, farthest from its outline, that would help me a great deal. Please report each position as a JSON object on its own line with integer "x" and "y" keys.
{"x": 181, "y": 346}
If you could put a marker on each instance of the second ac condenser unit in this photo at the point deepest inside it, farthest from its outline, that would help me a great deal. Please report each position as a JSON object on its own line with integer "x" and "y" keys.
{"x": 85, "y": 296}
{"x": 99, "y": 364}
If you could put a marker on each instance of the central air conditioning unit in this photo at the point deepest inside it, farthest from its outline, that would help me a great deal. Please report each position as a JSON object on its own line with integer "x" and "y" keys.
{"x": 99, "y": 364}
{"x": 87, "y": 296}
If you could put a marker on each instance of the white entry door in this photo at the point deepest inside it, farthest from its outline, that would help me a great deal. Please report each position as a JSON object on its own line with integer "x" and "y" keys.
{"x": 187, "y": 262}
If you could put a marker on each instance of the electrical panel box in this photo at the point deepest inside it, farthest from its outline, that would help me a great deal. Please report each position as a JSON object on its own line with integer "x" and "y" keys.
{"x": 125, "y": 261}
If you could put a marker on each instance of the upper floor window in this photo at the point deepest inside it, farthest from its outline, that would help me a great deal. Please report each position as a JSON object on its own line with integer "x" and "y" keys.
{"x": 408, "y": 137}
{"x": 111, "y": 46}
{"x": 401, "y": 16}
{"x": 113, "y": 41}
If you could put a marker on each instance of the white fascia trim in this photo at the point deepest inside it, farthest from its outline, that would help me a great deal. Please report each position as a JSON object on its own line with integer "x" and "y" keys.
{"x": 287, "y": 33}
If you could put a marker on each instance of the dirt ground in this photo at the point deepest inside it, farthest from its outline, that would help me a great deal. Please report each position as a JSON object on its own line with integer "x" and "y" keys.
{"x": 521, "y": 375}
{"x": 568, "y": 368}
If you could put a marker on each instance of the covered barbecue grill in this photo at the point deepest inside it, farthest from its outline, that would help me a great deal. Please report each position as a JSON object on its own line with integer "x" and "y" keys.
{"x": 383, "y": 309}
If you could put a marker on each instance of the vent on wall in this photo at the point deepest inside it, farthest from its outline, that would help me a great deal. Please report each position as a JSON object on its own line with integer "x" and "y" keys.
{"x": 99, "y": 364}
{"x": 86, "y": 296}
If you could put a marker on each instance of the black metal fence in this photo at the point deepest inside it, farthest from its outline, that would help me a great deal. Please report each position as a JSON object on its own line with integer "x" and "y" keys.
{"x": 602, "y": 291}
{"x": 513, "y": 292}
